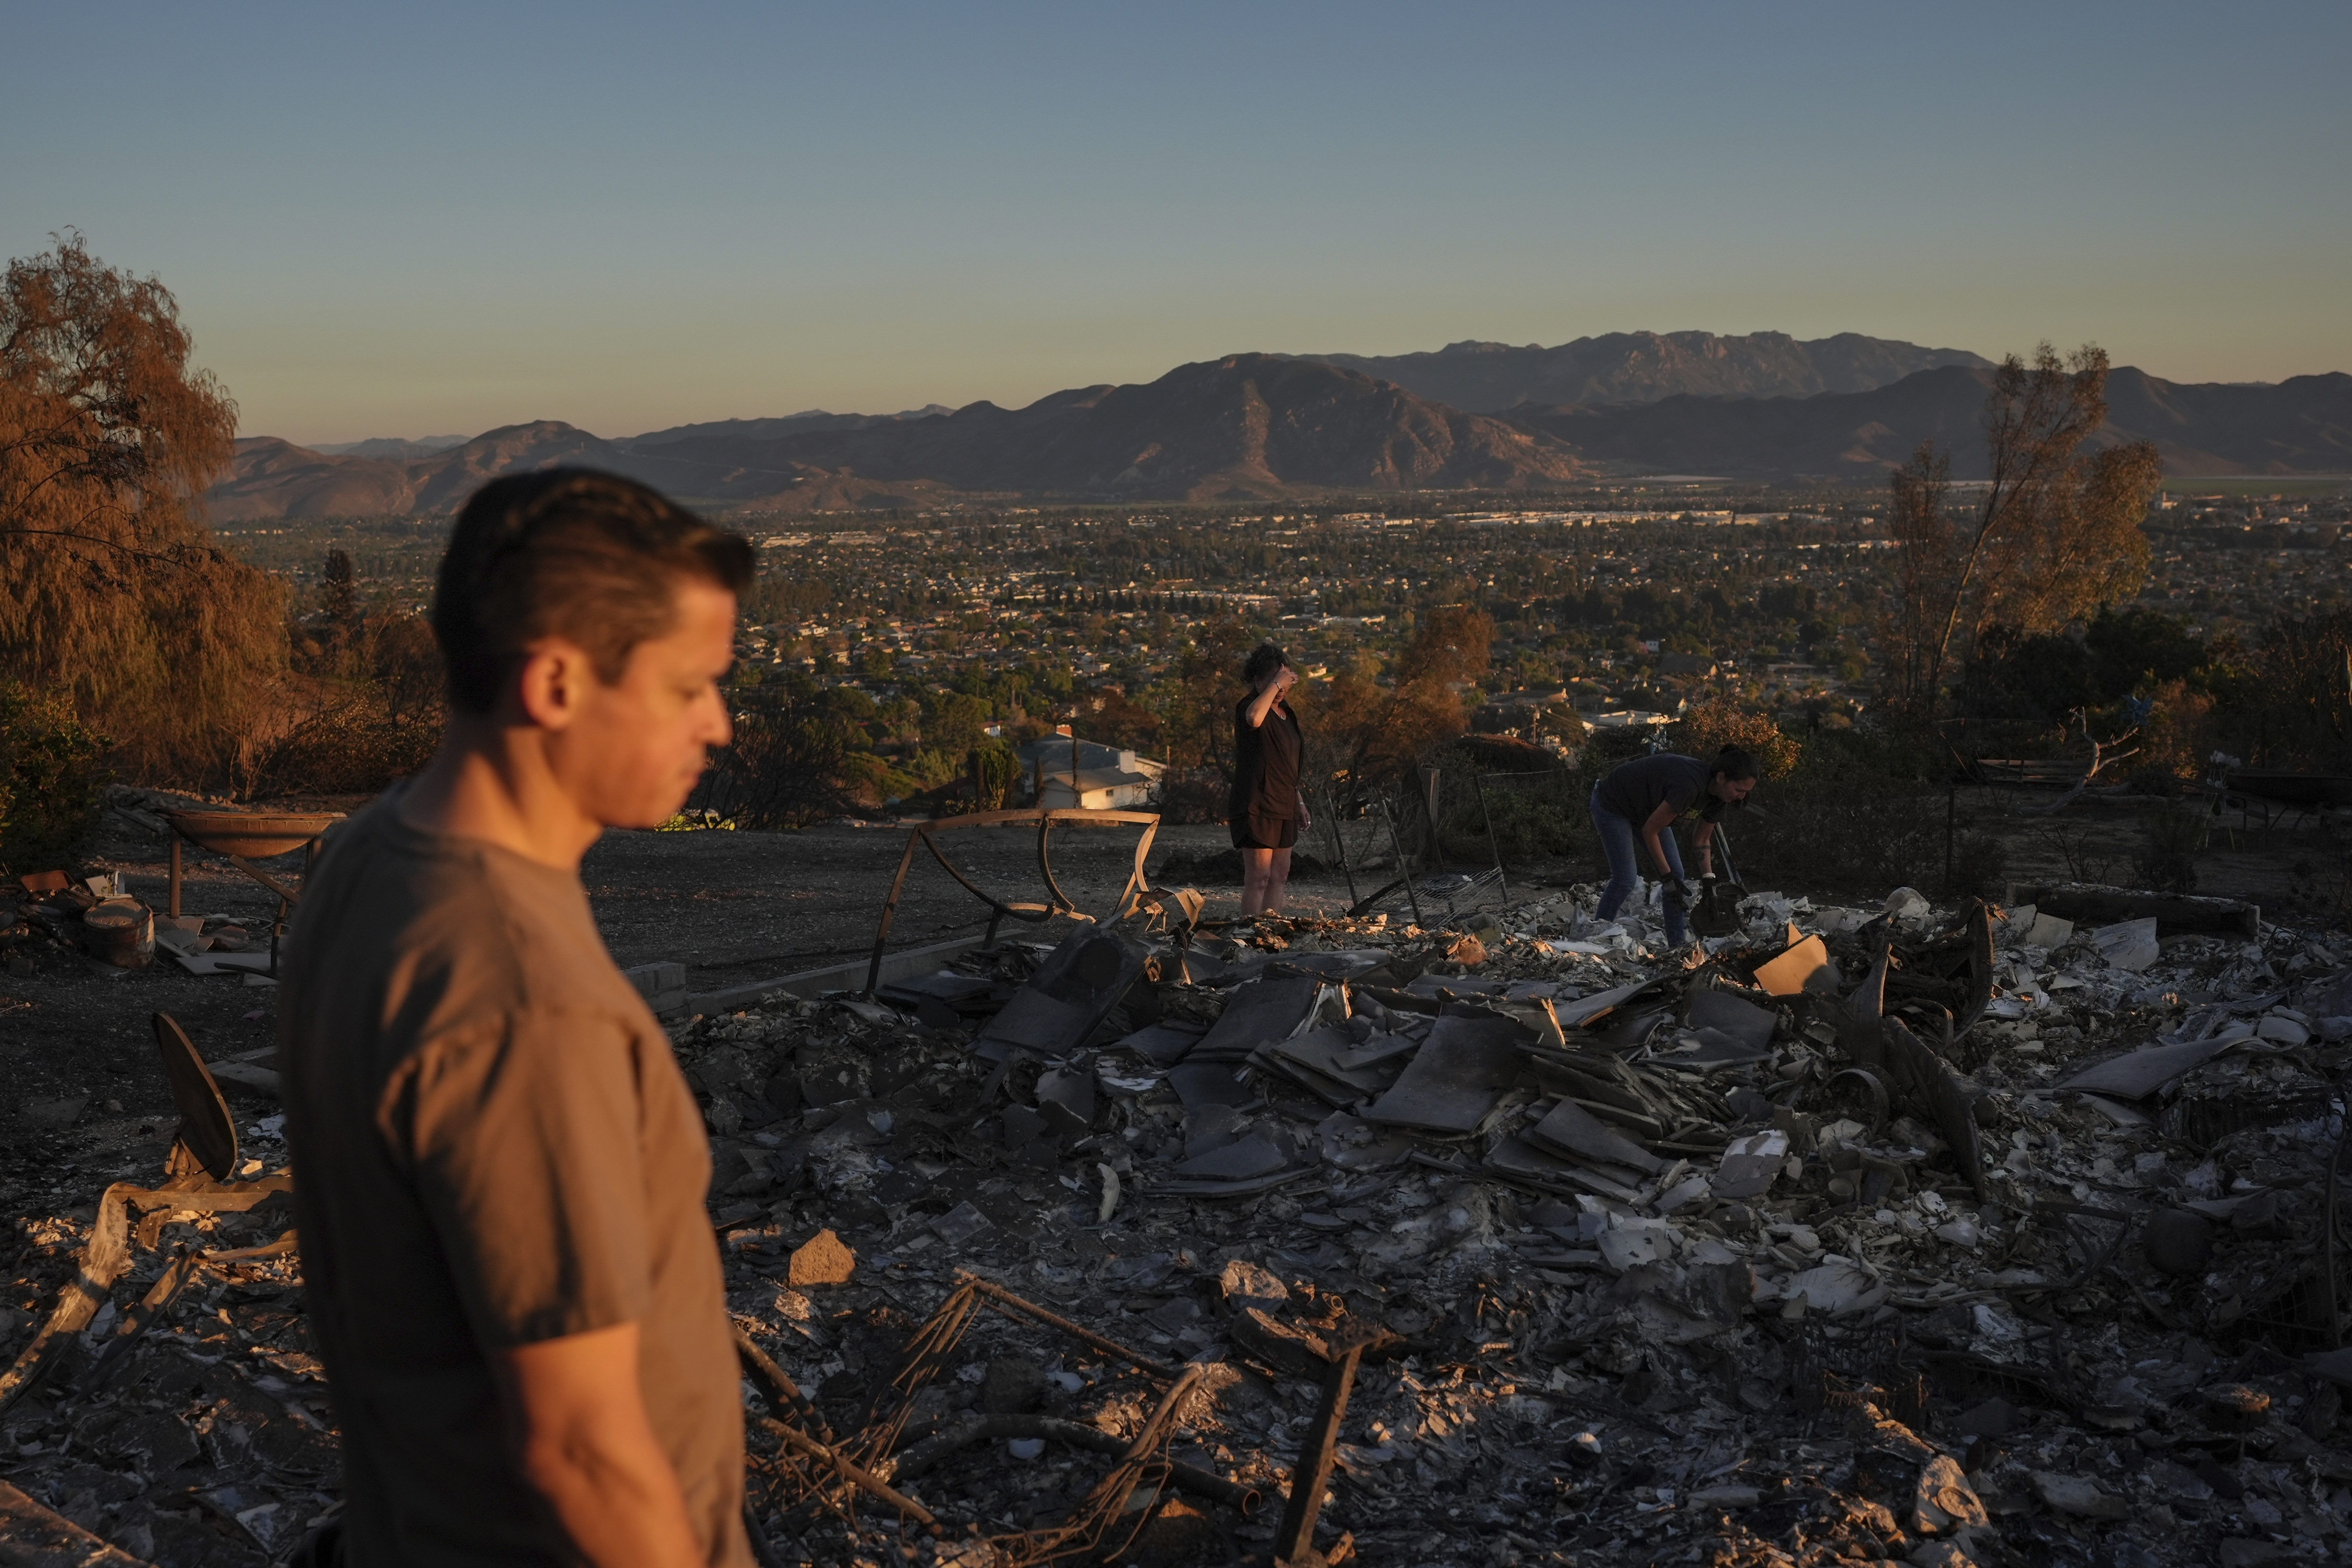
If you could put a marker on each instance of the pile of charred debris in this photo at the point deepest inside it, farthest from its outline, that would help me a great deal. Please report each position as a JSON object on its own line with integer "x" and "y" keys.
{"x": 1993, "y": 1235}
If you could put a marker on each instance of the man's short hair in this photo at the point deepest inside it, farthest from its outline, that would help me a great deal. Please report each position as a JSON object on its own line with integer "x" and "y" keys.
{"x": 571, "y": 552}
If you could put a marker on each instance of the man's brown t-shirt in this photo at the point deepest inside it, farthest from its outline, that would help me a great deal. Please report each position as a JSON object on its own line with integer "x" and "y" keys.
{"x": 492, "y": 1146}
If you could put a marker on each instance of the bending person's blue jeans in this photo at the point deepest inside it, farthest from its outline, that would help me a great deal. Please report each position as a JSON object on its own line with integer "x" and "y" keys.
{"x": 1620, "y": 840}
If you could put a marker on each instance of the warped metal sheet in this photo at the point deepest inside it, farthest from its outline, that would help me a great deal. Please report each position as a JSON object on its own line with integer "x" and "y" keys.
{"x": 1461, "y": 1070}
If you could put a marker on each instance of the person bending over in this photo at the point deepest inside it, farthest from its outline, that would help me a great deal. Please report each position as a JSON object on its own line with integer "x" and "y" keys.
{"x": 1268, "y": 809}
{"x": 1641, "y": 799}
{"x": 514, "y": 1285}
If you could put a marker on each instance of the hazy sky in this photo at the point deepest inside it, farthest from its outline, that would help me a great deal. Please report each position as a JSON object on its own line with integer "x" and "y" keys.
{"x": 413, "y": 219}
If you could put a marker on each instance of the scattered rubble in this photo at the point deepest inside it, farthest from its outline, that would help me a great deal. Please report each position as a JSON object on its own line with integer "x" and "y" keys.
{"x": 1947, "y": 1236}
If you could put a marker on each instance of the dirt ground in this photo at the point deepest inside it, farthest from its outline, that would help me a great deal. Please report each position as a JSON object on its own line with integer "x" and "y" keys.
{"x": 85, "y": 1103}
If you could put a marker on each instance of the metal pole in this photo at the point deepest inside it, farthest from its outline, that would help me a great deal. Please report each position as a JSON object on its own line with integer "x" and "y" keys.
{"x": 1478, "y": 783}
{"x": 1404, "y": 868}
{"x": 1339, "y": 847}
{"x": 890, "y": 908}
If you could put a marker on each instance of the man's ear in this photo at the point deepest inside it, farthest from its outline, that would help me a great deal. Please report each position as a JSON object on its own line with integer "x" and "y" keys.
{"x": 552, "y": 685}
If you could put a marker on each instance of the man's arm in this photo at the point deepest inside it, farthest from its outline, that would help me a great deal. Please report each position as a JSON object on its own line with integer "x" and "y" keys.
{"x": 576, "y": 1417}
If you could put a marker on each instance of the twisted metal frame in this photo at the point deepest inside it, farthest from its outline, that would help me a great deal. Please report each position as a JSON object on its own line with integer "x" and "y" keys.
{"x": 1132, "y": 899}
{"x": 1088, "y": 1533}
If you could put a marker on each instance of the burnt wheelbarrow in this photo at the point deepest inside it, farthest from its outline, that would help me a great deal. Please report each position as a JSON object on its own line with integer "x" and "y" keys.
{"x": 241, "y": 837}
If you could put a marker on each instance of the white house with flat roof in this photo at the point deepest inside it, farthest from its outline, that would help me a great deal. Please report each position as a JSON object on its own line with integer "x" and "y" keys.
{"x": 1062, "y": 773}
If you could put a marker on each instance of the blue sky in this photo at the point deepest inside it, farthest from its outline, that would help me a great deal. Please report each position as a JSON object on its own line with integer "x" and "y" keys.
{"x": 403, "y": 220}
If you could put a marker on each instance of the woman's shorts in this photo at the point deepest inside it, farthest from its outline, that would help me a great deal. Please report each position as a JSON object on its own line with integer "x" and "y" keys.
{"x": 1264, "y": 833}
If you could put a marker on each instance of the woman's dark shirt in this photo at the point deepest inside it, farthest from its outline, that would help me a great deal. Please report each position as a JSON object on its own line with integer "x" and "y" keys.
{"x": 1633, "y": 790}
{"x": 1266, "y": 766}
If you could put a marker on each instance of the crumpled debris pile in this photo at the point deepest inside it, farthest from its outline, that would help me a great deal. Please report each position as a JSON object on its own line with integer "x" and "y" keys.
{"x": 1938, "y": 1236}
{"x": 187, "y": 1421}
{"x": 1948, "y": 1237}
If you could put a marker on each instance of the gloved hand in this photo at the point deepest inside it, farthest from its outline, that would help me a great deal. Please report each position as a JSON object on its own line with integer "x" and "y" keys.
{"x": 1678, "y": 893}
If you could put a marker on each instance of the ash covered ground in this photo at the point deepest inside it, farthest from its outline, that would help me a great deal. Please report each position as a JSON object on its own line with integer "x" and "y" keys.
{"x": 1661, "y": 1258}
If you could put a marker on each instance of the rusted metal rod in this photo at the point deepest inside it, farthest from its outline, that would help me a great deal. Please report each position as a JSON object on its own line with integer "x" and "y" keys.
{"x": 1007, "y": 1300}
{"x": 780, "y": 1390}
{"x": 809, "y": 1448}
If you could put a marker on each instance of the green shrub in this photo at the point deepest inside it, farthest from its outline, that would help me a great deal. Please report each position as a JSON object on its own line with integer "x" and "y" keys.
{"x": 52, "y": 780}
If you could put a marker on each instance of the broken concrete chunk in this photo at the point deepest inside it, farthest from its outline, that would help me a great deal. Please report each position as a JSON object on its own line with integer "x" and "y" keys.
{"x": 1838, "y": 1287}
{"x": 1944, "y": 1501}
{"x": 1909, "y": 904}
{"x": 823, "y": 1259}
{"x": 1633, "y": 1241}
{"x": 1751, "y": 1164}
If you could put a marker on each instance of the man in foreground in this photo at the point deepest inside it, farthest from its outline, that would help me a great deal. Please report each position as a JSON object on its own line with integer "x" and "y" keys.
{"x": 500, "y": 1171}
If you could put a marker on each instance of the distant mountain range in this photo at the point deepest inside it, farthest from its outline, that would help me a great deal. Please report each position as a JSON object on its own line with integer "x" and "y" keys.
{"x": 770, "y": 429}
{"x": 2303, "y": 424}
{"x": 1643, "y": 367}
{"x": 1247, "y": 426}
{"x": 390, "y": 447}
{"x": 1263, "y": 426}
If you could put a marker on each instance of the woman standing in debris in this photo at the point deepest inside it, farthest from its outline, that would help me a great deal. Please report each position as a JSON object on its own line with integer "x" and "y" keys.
{"x": 1642, "y": 798}
{"x": 1266, "y": 809}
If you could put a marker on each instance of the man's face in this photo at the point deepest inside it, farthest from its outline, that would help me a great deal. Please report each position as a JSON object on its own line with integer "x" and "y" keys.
{"x": 633, "y": 750}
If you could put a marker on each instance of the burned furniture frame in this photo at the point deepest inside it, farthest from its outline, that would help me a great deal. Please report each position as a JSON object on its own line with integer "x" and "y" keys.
{"x": 1418, "y": 810}
{"x": 1132, "y": 898}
